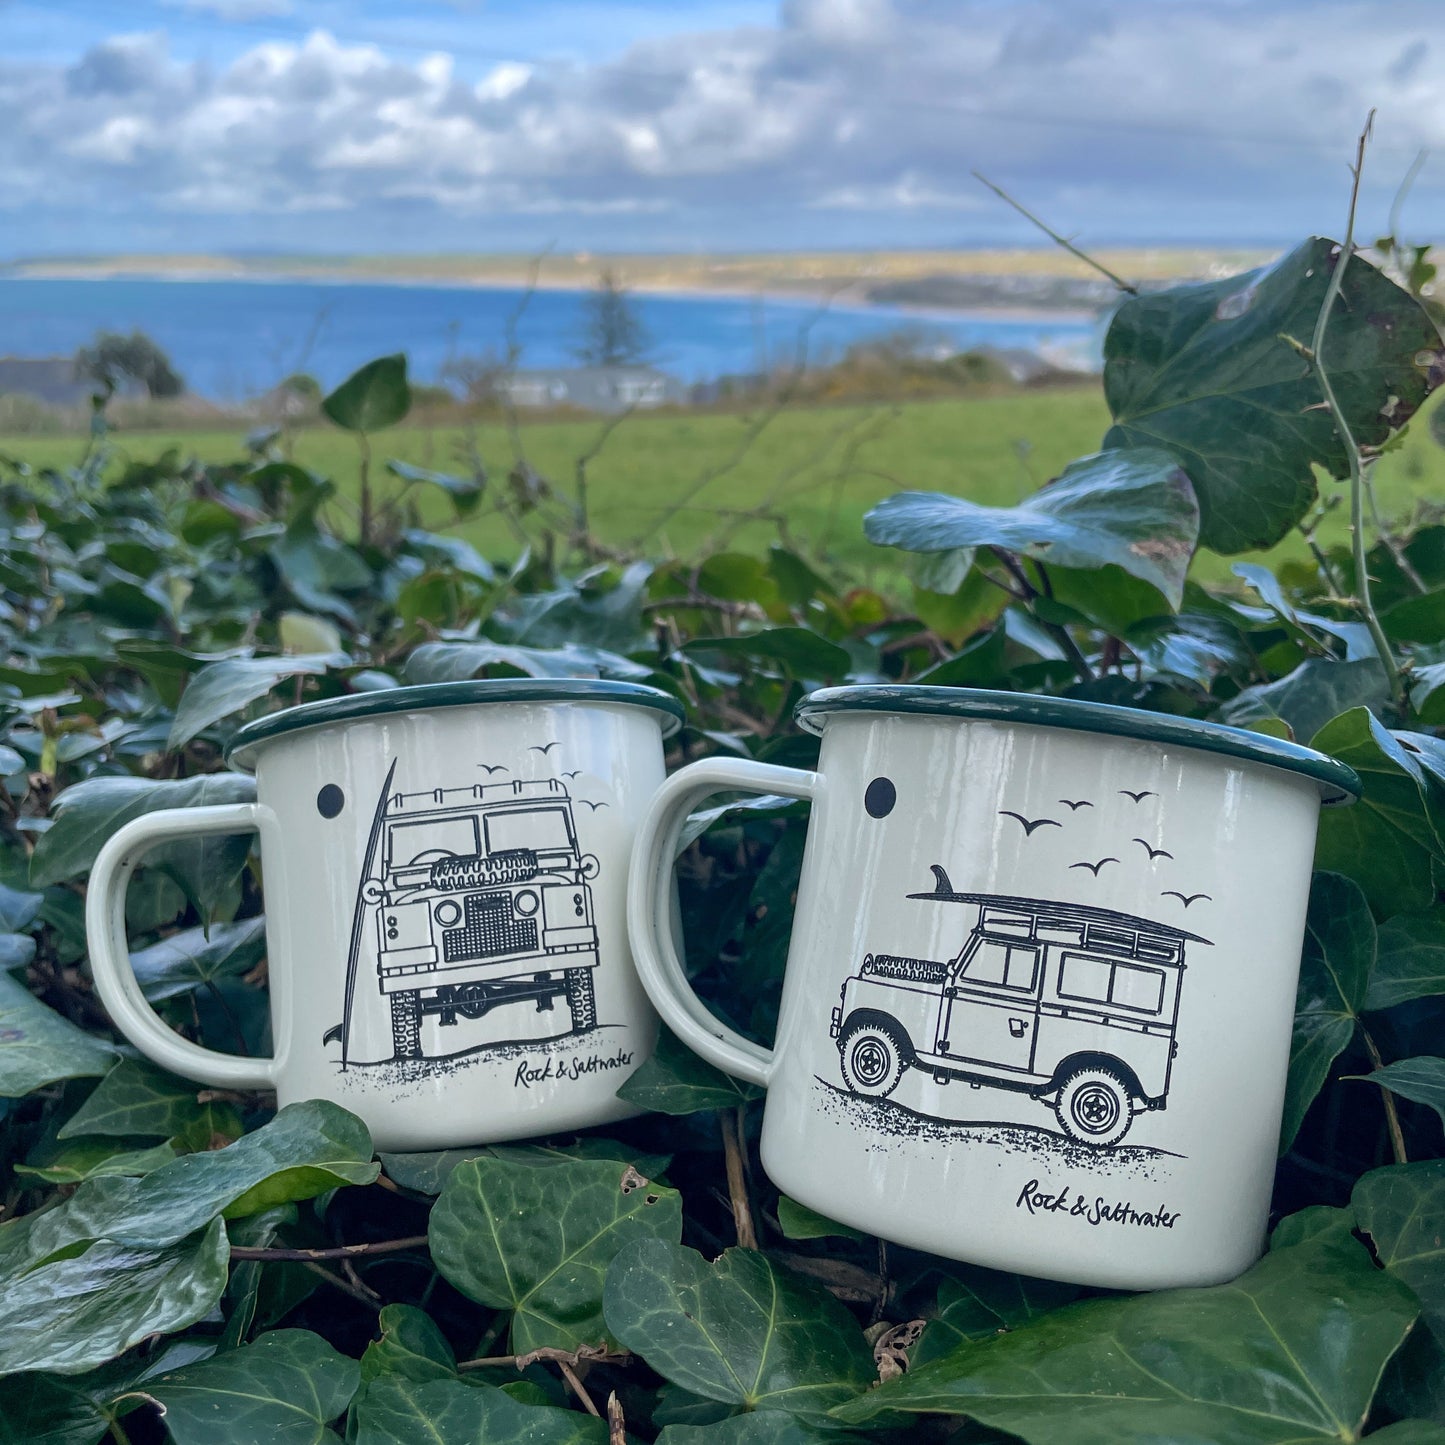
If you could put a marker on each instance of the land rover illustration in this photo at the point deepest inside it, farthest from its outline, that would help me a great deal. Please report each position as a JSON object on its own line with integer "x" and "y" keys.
{"x": 1075, "y": 1006}
{"x": 479, "y": 899}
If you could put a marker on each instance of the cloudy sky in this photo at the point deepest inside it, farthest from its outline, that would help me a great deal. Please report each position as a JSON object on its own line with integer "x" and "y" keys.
{"x": 703, "y": 124}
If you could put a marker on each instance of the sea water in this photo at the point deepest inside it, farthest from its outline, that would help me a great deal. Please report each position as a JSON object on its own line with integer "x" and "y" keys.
{"x": 235, "y": 339}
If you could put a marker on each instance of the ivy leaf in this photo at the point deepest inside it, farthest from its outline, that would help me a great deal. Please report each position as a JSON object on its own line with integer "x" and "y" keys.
{"x": 1411, "y": 961}
{"x": 675, "y": 1081}
{"x": 1421, "y": 1080}
{"x": 18, "y": 909}
{"x": 39, "y": 1047}
{"x": 1307, "y": 698}
{"x": 285, "y": 1389}
{"x": 537, "y": 1238}
{"x": 92, "y": 1158}
{"x": 447, "y": 1412}
{"x": 465, "y": 492}
{"x": 1133, "y": 507}
{"x": 1196, "y": 368}
{"x": 457, "y": 661}
{"x": 763, "y": 1427}
{"x": 88, "y": 813}
{"x": 43, "y": 1409}
{"x": 1339, "y": 952}
{"x": 976, "y": 1303}
{"x": 1291, "y": 1351}
{"x": 797, "y": 1221}
{"x": 307, "y": 1149}
{"x": 197, "y": 956}
{"x": 223, "y": 688}
{"x": 798, "y": 651}
{"x": 411, "y": 1347}
{"x": 372, "y": 398}
{"x": 738, "y": 1330}
{"x": 1386, "y": 841}
{"x": 1401, "y": 1208}
{"x": 76, "y": 1312}
{"x": 137, "y": 1098}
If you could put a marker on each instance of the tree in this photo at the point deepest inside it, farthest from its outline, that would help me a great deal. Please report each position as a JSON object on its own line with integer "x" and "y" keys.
{"x": 613, "y": 333}
{"x": 113, "y": 357}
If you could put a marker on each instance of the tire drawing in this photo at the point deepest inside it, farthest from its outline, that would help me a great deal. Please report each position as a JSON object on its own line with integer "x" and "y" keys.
{"x": 873, "y": 1059}
{"x": 1094, "y": 1107}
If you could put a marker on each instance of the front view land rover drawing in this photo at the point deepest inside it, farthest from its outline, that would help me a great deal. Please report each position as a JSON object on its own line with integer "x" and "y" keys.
{"x": 480, "y": 898}
{"x": 1073, "y": 1005}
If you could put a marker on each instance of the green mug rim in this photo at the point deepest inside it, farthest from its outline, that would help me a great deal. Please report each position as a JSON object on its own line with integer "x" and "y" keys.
{"x": 1338, "y": 782}
{"x": 389, "y": 701}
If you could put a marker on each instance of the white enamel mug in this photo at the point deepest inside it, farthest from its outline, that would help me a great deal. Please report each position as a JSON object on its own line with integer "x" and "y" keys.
{"x": 445, "y": 880}
{"x": 1039, "y": 997}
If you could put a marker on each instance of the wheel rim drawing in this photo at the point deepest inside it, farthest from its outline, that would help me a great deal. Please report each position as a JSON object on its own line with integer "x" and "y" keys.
{"x": 871, "y": 1062}
{"x": 1095, "y": 1108}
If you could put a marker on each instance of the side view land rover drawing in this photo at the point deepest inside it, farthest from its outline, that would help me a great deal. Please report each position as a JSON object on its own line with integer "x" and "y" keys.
{"x": 1072, "y": 1005}
{"x": 481, "y": 899}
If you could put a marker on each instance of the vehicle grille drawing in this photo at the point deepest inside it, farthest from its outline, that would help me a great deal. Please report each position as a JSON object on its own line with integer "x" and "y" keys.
{"x": 476, "y": 898}
{"x": 1072, "y": 1005}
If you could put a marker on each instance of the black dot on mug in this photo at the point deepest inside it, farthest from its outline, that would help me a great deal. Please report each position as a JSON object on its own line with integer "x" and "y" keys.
{"x": 330, "y": 801}
{"x": 880, "y": 797}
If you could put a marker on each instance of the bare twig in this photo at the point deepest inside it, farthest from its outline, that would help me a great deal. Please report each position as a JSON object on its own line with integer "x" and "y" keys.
{"x": 344, "y": 1251}
{"x": 732, "y": 1135}
{"x": 1347, "y": 439}
{"x": 1054, "y": 236}
{"x": 584, "y": 459}
{"x": 616, "y": 1424}
{"x": 1407, "y": 183}
{"x": 368, "y": 1297}
{"x": 586, "y": 1354}
{"x": 1392, "y": 1114}
{"x": 570, "y": 1375}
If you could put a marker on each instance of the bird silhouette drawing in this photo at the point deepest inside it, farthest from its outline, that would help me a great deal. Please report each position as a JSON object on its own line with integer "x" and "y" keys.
{"x": 1073, "y": 806}
{"x": 1185, "y": 898}
{"x": 490, "y": 768}
{"x": 1029, "y": 824}
{"x": 576, "y": 772}
{"x": 1094, "y": 867}
{"x": 543, "y": 750}
{"x": 1138, "y": 797}
{"x": 1152, "y": 851}
{"x": 587, "y": 803}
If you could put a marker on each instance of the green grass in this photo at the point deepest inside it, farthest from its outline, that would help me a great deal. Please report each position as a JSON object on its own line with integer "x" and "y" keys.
{"x": 813, "y": 471}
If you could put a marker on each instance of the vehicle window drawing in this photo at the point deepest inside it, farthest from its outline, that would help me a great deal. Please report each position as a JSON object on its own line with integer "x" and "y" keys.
{"x": 1072, "y": 1004}
{"x": 427, "y": 839}
{"x": 1002, "y": 965}
{"x": 543, "y": 830}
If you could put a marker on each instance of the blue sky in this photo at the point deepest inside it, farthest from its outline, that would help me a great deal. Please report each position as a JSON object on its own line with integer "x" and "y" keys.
{"x": 371, "y": 125}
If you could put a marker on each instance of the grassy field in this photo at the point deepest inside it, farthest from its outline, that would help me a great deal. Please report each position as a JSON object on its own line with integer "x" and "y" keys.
{"x": 683, "y": 484}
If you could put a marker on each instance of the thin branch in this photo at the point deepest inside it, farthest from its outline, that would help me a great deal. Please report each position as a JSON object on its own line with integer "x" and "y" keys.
{"x": 1402, "y": 191}
{"x": 1342, "y": 426}
{"x": 570, "y": 1375}
{"x": 1054, "y": 236}
{"x": 732, "y": 1135}
{"x": 344, "y": 1251}
{"x": 1392, "y": 1114}
{"x": 589, "y": 1354}
{"x": 616, "y": 1423}
{"x": 369, "y": 1298}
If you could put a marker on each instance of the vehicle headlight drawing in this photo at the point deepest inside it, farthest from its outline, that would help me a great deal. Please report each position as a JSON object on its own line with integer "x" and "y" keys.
{"x": 1072, "y": 1005}
{"x": 475, "y": 899}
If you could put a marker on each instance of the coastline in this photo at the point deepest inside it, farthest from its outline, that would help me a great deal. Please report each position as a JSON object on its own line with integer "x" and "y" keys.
{"x": 844, "y": 299}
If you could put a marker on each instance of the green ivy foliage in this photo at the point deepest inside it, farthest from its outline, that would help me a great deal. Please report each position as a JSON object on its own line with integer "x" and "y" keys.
{"x": 182, "y": 1264}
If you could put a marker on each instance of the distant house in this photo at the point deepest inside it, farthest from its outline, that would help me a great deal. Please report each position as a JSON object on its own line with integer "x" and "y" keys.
{"x": 50, "y": 379}
{"x": 592, "y": 388}
{"x": 53, "y": 381}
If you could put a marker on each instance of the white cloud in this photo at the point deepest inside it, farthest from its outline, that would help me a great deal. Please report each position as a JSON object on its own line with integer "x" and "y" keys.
{"x": 1129, "y": 116}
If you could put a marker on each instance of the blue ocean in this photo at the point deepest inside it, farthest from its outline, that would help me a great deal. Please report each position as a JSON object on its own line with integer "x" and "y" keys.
{"x": 234, "y": 339}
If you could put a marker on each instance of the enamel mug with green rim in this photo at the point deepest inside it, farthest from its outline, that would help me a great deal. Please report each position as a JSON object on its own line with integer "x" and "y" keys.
{"x": 445, "y": 884}
{"x": 1039, "y": 997}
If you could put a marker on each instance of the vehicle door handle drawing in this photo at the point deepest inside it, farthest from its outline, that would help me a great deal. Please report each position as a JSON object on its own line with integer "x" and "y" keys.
{"x": 1017, "y": 1027}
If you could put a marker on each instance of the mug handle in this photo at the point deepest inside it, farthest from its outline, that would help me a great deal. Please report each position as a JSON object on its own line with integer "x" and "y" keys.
{"x": 110, "y": 964}
{"x": 649, "y": 910}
